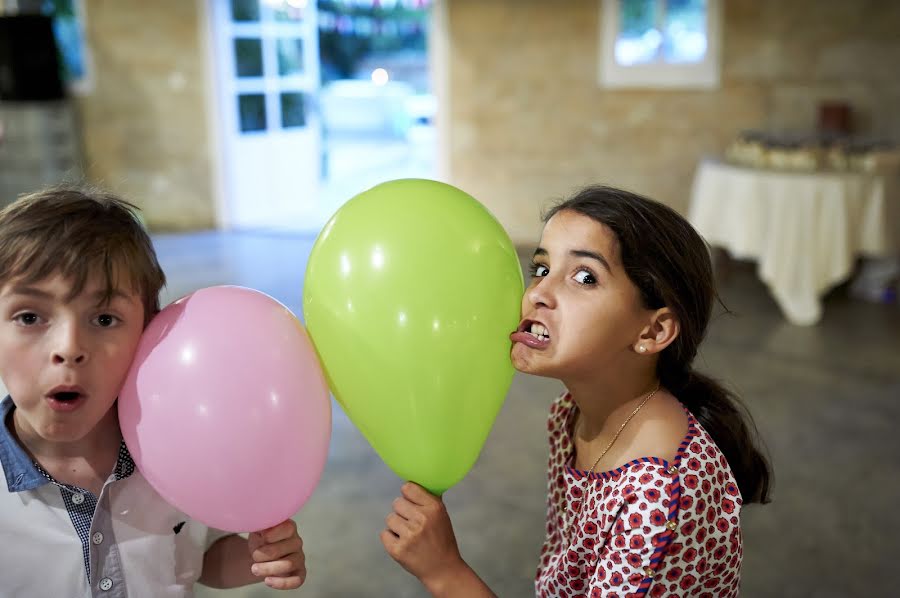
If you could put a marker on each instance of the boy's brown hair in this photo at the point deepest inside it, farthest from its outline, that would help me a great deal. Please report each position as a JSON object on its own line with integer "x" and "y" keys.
{"x": 79, "y": 231}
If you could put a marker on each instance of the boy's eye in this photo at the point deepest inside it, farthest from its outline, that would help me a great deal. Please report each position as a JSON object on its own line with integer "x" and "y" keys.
{"x": 105, "y": 320}
{"x": 539, "y": 270}
{"x": 585, "y": 277}
{"x": 27, "y": 319}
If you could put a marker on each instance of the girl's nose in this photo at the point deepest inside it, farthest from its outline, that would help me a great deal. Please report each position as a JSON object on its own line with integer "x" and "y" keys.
{"x": 541, "y": 293}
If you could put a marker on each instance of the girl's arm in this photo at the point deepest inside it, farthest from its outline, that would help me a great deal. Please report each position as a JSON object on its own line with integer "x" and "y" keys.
{"x": 420, "y": 537}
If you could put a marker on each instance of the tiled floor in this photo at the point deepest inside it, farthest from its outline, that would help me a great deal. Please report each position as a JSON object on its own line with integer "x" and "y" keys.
{"x": 826, "y": 399}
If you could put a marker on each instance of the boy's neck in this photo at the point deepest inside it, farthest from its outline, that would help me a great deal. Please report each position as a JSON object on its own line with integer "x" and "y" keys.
{"x": 86, "y": 462}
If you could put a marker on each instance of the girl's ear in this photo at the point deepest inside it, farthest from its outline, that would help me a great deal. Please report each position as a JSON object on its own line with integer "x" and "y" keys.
{"x": 661, "y": 331}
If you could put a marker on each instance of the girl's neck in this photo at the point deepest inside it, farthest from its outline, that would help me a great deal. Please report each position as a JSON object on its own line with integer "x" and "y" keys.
{"x": 599, "y": 401}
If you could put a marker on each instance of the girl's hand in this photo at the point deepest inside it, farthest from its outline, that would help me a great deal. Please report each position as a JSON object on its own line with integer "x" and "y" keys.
{"x": 277, "y": 555}
{"x": 420, "y": 537}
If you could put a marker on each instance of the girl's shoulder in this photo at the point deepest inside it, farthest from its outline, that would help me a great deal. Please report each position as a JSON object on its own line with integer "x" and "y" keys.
{"x": 562, "y": 403}
{"x": 562, "y": 410}
{"x": 657, "y": 430}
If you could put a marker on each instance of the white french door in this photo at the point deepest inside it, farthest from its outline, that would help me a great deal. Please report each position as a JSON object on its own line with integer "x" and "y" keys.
{"x": 266, "y": 63}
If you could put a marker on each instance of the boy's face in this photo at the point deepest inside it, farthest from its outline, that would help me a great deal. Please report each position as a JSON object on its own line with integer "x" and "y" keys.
{"x": 64, "y": 361}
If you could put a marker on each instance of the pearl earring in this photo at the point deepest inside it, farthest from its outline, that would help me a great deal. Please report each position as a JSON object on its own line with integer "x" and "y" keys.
{"x": 642, "y": 349}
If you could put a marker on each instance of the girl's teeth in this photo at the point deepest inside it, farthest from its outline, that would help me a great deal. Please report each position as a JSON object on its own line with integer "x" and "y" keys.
{"x": 539, "y": 331}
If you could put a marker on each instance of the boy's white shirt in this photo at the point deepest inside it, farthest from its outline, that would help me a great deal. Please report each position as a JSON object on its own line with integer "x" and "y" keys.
{"x": 42, "y": 553}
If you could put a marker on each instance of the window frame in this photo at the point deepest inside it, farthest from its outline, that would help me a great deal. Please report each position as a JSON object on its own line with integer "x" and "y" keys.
{"x": 704, "y": 74}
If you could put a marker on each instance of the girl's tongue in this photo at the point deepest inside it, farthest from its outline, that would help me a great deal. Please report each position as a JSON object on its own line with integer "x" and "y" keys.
{"x": 532, "y": 334}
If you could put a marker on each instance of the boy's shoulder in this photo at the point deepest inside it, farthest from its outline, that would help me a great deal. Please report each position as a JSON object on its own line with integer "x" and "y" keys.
{"x": 19, "y": 471}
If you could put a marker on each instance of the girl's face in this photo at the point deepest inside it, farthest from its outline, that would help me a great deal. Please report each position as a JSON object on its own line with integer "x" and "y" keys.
{"x": 581, "y": 314}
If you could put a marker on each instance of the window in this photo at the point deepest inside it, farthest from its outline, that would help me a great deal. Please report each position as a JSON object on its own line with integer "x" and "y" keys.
{"x": 660, "y": 43}
{"x": 68, "y": 28}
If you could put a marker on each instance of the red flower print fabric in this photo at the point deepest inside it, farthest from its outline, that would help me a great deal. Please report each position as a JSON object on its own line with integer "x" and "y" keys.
{"x": 649, "y": 528}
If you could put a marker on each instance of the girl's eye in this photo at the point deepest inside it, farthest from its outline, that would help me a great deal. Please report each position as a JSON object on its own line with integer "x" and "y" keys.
{"x": 106, "y": 320}
{"x": 585, "y": 277}
{"x": 27, "y": 319}
{"x": 539, "y": 270}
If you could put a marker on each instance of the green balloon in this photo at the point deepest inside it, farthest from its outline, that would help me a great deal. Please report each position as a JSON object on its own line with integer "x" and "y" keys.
{"x": 411, "y": 292}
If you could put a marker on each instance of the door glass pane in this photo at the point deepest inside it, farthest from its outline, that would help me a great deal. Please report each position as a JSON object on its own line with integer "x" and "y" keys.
{"x": 639, "y": 38}
{"x": 290, "y": 10}
{"x": 684, "y": 39}
{"x": 290, "y": 56}
{"x": 248, "y": 59}
{"x": 293, "y": 111}
{"x": 252, "y": 111}
{"x": 244, "y": 10}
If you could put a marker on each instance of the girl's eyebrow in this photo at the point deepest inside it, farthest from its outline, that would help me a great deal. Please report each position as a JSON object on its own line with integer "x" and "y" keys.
{"x": 592, "y": 255}
{"x": 580, "y": 253}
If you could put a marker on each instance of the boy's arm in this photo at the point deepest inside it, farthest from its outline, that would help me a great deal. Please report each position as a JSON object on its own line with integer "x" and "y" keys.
{"x": 275, "y": 554}
{"x": 227, "y": 564}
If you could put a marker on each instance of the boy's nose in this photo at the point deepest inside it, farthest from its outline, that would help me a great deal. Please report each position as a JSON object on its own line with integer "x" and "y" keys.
{"x": 70, "y": 357}
{"x": 69, "y": 349}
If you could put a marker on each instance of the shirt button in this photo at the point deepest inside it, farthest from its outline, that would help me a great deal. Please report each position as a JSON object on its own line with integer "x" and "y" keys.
{"x": 97, "y": 538}
{"x": 106, "y": 584}
{"x": 672, "y": 470}
{"x": 648, "y": 571}
{"x": 78, "y": 498}
{"x": 671, "y": 525}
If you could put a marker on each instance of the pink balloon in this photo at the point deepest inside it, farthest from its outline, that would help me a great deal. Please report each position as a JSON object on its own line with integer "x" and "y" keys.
{"x": 225, "y": 409}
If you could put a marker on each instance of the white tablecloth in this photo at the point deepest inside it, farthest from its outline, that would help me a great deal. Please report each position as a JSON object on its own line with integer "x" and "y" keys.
{"x": 803, "y": 229}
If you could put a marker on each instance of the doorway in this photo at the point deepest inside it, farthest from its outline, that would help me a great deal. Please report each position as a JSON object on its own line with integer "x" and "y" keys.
{"x": 266, "y": 67}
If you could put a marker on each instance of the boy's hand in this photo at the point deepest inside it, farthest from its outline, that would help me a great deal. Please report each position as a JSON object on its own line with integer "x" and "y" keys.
{"x": 420, "y": 537}
{"x": 277, "y": 555}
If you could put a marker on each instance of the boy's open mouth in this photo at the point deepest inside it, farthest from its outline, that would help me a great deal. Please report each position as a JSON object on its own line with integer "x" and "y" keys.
{"x": 66, "y": 399}
{"x": 66, "y": 396}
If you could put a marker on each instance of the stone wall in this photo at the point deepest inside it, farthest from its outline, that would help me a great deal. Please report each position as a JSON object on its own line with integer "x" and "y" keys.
{"x": 144, "y": 120}
{"x": 528, "y": 122}
{"x": 524, "y": 120}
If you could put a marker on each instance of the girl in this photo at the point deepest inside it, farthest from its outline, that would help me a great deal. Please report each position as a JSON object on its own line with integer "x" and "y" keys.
{"x": 650, "y": 461}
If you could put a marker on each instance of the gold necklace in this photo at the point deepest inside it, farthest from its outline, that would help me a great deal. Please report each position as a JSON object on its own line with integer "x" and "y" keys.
{"x": 587, "y": 478}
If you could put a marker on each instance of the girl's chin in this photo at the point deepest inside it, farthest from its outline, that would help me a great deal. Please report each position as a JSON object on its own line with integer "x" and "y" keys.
{"x": 524, "y": 360}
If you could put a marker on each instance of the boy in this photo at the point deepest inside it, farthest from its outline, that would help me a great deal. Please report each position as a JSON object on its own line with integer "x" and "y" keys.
{"x": 79, "y": 280}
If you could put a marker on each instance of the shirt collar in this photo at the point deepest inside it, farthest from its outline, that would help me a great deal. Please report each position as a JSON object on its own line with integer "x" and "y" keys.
{"x": 21, "y": 474}
{"x": 21, "y": 471}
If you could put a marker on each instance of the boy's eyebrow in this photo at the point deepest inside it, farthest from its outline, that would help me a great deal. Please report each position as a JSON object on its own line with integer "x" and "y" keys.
{"x": 37, "y": 293}
{"x": 114, "y": 294}
{"x": 580, "y": 253}
{"x": 111, "y": 292}
{"x": 30, "y": 292}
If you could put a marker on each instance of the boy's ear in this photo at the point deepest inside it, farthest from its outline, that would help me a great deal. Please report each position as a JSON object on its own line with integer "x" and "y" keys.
{"x": 662, "y": 329}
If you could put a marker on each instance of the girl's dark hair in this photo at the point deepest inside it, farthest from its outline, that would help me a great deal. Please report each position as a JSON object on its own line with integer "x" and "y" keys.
{"x": 669, "y": 264}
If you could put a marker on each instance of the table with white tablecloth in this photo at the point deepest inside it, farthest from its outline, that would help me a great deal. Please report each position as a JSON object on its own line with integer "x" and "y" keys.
{"x": 804, "y": 230}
